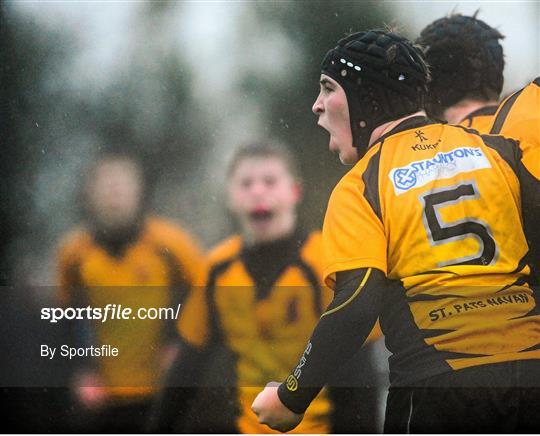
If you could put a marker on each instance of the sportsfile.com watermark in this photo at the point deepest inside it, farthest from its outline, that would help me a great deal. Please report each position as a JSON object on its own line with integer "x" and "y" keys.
{"x": 108, "y": 313}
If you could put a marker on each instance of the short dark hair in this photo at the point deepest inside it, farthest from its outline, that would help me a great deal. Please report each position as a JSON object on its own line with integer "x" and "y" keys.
{"x": 264, "y": 149}
{"x": 466, "y": 61}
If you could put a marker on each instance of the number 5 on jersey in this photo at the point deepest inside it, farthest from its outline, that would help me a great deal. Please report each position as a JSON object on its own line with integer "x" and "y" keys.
{"x": 440, "y": 232}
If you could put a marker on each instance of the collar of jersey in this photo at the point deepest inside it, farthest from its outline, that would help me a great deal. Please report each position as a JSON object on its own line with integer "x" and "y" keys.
{"x": 484, "y": 110}
{"x": 408, "y": 124}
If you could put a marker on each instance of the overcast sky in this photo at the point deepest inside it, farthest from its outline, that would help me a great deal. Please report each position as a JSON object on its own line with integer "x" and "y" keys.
{"x": 207, "y": 30}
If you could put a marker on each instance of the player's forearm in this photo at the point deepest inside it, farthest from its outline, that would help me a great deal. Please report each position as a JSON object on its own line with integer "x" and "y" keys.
{"x": 342, "y": 329}
{"x": 179, "y": 388}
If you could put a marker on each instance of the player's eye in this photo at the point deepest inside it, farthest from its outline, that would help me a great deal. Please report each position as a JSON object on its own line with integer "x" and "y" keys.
{"x": 326, "y": 88}
{"x": 246, "y": 183}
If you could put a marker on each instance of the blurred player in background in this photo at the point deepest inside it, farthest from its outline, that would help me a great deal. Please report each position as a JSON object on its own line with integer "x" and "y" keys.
{"x": 466, "y": 63}
{"x": 123, "y": 255}
{"x": 428, "y": 239}
{"x": 263, "y": 294}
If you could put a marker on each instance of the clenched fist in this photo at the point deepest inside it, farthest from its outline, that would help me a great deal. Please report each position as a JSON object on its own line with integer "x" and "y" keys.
{"x": 272, "y": 412}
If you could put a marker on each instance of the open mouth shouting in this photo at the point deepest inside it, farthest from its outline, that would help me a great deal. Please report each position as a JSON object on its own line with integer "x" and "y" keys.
{"x": 261, "y": 214}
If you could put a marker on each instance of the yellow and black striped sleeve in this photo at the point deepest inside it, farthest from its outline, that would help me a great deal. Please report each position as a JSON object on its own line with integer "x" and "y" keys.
{"x": 341, "y": 330}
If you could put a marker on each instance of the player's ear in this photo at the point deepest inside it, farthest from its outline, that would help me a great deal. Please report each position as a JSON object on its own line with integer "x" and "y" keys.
{"x": 298, "y": 191}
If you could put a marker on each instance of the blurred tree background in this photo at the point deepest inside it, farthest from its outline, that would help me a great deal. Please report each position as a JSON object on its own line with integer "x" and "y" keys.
{"x": 53, "y": 126}
{"x": 27, "y": 61}
{"x": 57, "y": 116}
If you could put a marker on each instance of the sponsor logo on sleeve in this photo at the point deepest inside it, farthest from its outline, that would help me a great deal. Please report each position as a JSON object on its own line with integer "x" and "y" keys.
{"x": 292, "y": 381}
{"x": 443, "y": 165}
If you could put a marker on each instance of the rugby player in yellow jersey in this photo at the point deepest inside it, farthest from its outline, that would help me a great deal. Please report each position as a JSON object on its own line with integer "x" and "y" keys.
{"x": 430, "y": 240}
{"x": 466, "y": 64}
{"x": 263, "y": 294}
{"x": 123, "y": 255}
{"x": 518, "y": 117}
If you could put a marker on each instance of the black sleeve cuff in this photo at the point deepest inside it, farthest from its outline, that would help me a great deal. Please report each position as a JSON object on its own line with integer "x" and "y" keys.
{"x": 299, "y": 400}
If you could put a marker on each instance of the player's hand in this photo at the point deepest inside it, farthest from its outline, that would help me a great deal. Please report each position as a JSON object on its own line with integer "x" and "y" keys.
{"x": 272, "y": 412}
{"x": 90, "y": 391}
{"x": 169, "y": 354}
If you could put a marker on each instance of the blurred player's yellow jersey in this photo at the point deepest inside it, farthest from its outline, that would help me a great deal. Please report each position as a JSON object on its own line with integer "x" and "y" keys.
{"x": 438, "y": 209}
{"x": 480, "y": 120}
{"x": 156, "y": 271}
{"x": 264, "y": 323}
{"x": 518, "y": 117}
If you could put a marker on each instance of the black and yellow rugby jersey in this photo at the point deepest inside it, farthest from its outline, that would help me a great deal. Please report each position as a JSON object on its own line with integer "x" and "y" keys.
{"x": 438, "y": 208}
{"x": 262, "y": 303}
{"x": 155, "y": 270}
{"x": 518, "y": 117}
{"x": 480, "y": 119}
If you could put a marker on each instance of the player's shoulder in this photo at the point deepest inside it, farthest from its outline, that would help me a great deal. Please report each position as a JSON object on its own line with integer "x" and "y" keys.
{"x": 75, "y": 242}
{"x": 526, "y": 95}
{"x": 313, "y": 239}
{"x": 311, "y": 249}
{"x": 533, "y": 86}
{"x": 163, "y": 226}
{"x": 312, "y": 242}
{"x": 166, "y": 232}
{"x": 225, "y": 250}
{"x": 531, "y": 93}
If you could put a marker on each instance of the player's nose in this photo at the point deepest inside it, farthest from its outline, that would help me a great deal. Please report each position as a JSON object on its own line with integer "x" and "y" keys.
{"x": 258, "y": 188}
{"x": 318, "y": 107}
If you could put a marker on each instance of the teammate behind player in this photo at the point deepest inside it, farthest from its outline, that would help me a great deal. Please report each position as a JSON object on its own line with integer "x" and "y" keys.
{"x": 263, "y": 293}
{"x": 466, "y": 63}
{"x": 123, "y": 255}
{"x": 518, "y": 117}
{"x": 430, "y": 240}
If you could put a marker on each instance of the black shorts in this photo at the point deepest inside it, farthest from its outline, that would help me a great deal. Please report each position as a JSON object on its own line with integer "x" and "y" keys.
{"x": 496, "y": 398}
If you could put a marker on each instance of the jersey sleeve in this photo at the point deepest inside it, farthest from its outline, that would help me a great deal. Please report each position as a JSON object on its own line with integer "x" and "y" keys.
{"x": 353, "y": 235}
{"x": 193, "y": 324}
{"x": 337, "y": 336}
{"x": 68, "y": 260}
{"x": 189, "y": 255}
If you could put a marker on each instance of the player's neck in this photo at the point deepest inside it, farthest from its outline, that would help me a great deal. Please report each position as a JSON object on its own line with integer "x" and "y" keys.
{"x": 383, "y": 129}
{"x": 457, "y": 113}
